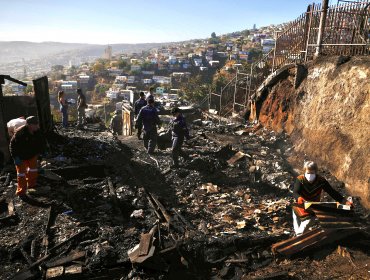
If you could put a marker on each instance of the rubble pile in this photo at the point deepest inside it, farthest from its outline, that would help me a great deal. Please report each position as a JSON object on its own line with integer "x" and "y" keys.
{"x": 107, "y": 210}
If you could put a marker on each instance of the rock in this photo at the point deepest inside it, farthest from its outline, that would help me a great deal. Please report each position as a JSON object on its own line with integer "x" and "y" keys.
{"x": 138, "y": 214}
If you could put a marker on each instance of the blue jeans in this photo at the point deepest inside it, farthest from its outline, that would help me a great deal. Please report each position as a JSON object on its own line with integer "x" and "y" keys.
{"x": 64, "y": 110}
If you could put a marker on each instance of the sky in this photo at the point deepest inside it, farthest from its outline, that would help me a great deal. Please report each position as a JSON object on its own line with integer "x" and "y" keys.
{"x": 137, "y": 21}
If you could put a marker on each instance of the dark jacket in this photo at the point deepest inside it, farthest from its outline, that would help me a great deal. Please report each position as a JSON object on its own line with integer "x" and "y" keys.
{"x": 179, "y": 128}
{"x": 312, "y": 191}
{"x": 116, "y": 123}
{"x": 140, "y": 103}
{"x": 148, "y": 116}
{"x": 26, "y": 145}
{"x": 81, "y": 101}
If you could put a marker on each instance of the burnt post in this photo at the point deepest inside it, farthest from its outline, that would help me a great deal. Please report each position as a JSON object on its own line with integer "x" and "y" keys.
{"x": 4, "y": 138}
{"x": 320, "y": 35}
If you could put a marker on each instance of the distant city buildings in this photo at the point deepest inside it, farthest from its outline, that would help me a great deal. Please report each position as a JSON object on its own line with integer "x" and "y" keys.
{"x": 108, "y": 53}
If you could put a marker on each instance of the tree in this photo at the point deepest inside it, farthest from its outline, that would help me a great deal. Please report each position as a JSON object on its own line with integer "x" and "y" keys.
{"x": 28, "y": 89}
{"x": 246, "y": 33}
{"x": 122, "y": 64}
{"x": 195, "y": 90}
{"x": 98, "y": 67}
{"x": 73, "y": 70}
{"x": 213, "y": 35}
{"x": 57, "y": 68}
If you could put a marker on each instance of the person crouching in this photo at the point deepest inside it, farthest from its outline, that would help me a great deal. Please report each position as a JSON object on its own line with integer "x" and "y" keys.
{"x": 25, "y": 146}
{"x": 308, "y": 187}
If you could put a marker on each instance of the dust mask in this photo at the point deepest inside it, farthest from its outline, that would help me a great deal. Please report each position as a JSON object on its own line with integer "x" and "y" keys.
{"x": 310, "y": 177}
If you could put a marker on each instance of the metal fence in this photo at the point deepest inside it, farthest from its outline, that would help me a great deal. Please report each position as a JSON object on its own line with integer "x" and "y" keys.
{"x": 342, "y": 29}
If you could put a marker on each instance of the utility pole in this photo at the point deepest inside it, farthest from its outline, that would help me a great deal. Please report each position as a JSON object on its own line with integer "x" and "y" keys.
{"x": 324, "y": 10}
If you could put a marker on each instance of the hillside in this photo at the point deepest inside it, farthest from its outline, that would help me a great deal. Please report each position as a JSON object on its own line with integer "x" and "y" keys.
{"x": 327, "y": 117}
{"x": 14, "y": 51}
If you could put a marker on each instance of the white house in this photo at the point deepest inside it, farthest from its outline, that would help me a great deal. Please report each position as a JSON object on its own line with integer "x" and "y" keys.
{"x": 214, "y": 63}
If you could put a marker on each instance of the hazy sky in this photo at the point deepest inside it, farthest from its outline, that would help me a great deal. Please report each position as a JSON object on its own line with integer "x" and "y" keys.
{"x": 137, "y": 21}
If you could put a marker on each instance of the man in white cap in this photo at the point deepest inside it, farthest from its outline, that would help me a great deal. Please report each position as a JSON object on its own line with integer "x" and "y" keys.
{"x": 25, "y": 146}
{"x": 15, "y": 124}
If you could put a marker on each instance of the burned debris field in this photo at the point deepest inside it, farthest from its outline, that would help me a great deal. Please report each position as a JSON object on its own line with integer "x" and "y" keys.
{"x": 105, "y": 209}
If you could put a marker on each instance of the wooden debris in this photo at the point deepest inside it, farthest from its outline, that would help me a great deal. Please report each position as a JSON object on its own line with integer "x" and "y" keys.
{"x": 145, "y": 248}
{"x": 65, "y": 260}
{"x": 73, "y": 269}
{"x": 54, "y": 272}
{"x": 239, "y": 155}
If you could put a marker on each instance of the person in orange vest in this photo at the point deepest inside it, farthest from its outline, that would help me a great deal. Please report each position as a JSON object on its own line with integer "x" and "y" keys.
{"x": 308, "y": 187}
{"x": 25, "y": 146}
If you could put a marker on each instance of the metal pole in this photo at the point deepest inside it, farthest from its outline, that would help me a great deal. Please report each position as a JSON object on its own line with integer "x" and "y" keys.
{"x": 309, "y": 30}
{"x": 235, "y": 87}
{"x": 324, "y": 10}
{"x": 219, "y": 112}
{"x": 273, "y": 59}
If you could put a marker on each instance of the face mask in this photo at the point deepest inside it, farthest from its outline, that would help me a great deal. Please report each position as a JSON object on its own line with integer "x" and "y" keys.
{"x": 310, "y": 177}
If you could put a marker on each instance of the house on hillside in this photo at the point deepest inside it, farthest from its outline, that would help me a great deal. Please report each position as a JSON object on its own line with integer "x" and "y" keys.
{"x": 162, "y": 79}
{"x": 69, "y": 86}
{"x": 83, "y": 79}
{"x": 136, "y": 68}
{"x": 147, "y": 81}
{"x": 131, "y": 79}
{"x": 113, "y": 72}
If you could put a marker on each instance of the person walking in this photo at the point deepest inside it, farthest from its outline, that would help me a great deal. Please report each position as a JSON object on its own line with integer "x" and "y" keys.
{"x": 81, "y": 107}
{"x": 63, "y": 107}
{"x": 140, "y": 103}
{"x": 149, "y": 119}
{"x": 179, "y": 131}
{"x": 116, "y": 123}
{"x": 25, "y": 146}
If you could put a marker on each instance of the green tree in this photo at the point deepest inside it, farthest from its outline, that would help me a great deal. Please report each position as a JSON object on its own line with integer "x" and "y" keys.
{"x": 195, "y": 90}
{"x": 213, "y": 35}
{"x": 28, "y": 89}
{"x": 122, "y": 64}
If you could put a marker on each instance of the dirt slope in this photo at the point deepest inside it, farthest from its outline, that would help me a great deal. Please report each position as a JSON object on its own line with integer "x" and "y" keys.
{"x": 327, "y": 117}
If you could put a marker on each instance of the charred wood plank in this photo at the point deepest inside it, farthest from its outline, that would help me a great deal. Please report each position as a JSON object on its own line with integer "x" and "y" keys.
{"x": 33, "y": 248}
{"x": 24, "y": 274}
{"x": 65, "y": 260}
{"x": 165, "y": 214}
{"x": 154, "y": 208}
{"x": 114, "y": 199}
{"x": 311, "y": 240}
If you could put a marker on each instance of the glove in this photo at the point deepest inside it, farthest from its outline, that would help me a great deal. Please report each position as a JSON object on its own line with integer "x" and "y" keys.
{"x": 300, "y": 200}
{"x": 349, "y": 203}
{"x": 17, "y": 161}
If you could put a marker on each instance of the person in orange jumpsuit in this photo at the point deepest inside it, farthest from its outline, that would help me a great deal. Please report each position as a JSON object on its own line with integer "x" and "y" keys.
{"x": 25, "y": 146}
